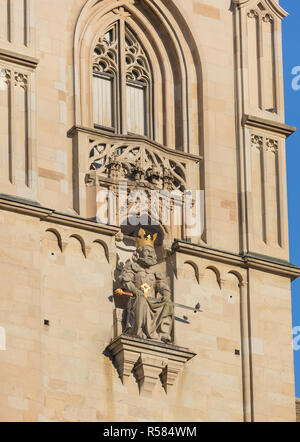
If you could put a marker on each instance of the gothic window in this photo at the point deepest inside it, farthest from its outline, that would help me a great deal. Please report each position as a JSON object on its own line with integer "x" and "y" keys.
{"x": 122, "y": 83}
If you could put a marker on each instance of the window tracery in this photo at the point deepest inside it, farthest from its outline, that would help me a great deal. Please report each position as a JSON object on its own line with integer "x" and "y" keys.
{"x": 122, "y": 83}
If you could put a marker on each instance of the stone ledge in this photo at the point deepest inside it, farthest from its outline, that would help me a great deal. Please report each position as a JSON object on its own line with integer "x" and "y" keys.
{"x": 18, "y": 59}
{"x": 268, "y": 125}
{"x": 132, "y": 138}
{"x": 34, "y": 209}
{"x": 81, "y": 223}
{"x": 247, "y": 260}
{"x": 149, "y": 360}
{"x": 23, "y": 206}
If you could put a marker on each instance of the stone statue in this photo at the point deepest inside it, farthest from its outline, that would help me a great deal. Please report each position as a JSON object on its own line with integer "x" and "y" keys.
{"x": 150, "y": 311}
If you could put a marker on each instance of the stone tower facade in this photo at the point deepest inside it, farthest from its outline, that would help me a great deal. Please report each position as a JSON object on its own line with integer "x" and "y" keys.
{"x": 161, "y": 95}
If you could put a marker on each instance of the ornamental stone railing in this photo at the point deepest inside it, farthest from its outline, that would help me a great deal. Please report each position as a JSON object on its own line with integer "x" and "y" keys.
{"x": 101, "y": 161}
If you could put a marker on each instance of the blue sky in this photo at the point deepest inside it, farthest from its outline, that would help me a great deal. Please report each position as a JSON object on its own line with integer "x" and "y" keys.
{"x": 291, "y": 58}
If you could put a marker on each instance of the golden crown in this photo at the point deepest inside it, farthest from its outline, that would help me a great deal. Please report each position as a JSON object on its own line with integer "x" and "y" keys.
{"x": 145, "y": 240}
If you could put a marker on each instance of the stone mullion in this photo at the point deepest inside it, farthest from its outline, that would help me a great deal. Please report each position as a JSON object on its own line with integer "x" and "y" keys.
{"x": 264, "y": 61}
{"x": 80, "y": 167}
{"x": 21, "y": 131}
{"x": 279, "y": 196}
{"x": 28, "y": 132}
{"x": 264, "y": 193}
{"x": 269, "y": 221}
{"x": 268, "y": 153}
{"x": 117, "y": 86}
{"x": 256, "y": 143}
{"x": 3, "y": 20}
{"x": 10, "y": 21}
{"x": 122, "y": 77}
{"x": 26, "y": 23}
{"x": 273, "y": 146}
{"x": 278, "y": 98}
{"x": 12, "y": 127}
{"x": 150, "y": 109}
{"x": 242, "y": 85}
{"x": 246, "y": 183}
{"x": 260, "y": 61}
{"x": 5, "y": 78}
{"x": 282, "y": 209}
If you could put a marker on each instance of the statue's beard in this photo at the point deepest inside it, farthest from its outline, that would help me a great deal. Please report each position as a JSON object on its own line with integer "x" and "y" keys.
{"x": 147, "y": 262}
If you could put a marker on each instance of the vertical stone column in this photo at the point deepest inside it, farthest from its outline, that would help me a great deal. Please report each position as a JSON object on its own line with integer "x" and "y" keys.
{"x": 246, "y": 352}
{"x": 80, "y": 169}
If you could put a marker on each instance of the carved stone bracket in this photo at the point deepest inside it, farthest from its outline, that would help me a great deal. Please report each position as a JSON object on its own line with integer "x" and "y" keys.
{"x": 257, "y": 141}
{"x": 268, "y": 144}
{"x": 252, "y": 13}
{"x": 272, "y": 145}
{"x": 5, "y": 75}
{"x": 147, "y": 370}
{"x": 149, "y": 361}
{"x": 21, "y": 80}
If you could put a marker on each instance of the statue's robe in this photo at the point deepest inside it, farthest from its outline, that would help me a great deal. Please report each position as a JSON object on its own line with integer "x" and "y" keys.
{"x": 152, "y": 317}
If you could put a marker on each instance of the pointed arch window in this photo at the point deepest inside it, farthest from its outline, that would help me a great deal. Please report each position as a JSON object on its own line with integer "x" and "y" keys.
{"x": 122, "y": 83}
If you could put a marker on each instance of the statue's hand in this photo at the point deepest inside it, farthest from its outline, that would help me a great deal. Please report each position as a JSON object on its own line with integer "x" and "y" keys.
{"x": 166, "y": 298}
{"x": 165, "y": 293}
{"x": 139, "y": 293}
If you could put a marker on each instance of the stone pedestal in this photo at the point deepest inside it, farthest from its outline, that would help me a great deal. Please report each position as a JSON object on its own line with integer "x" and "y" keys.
{"x": 149, "y": 360}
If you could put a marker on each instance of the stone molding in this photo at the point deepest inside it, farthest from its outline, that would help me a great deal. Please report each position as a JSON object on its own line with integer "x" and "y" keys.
{"x": 23, "y": 206}
{"x": 16, "y": 59}
{"x": 133, "y": 138}
{"x": 32, "y": 208}
{"x": 271, "y": 4}
{"x": 255, "y": 261}
{"x": 246, "y": 260}
{"x": 149, "y": 361}
{"x": 276, "y": 127}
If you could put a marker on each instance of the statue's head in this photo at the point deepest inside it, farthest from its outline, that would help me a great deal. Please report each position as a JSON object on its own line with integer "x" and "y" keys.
{"x": 146, "y": 256}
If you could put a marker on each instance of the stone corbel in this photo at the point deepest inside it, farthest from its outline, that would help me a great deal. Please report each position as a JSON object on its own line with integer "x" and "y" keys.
{"x": 170, "y": 372}
{"x": 150, "y": 361}
{"x": 125, "y": 360}
{"x": 147, "y": 370}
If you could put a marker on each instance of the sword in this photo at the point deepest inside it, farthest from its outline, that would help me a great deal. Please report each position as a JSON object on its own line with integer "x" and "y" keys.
{"x": 121, "y": 292}
{"x": 195, "y": 309}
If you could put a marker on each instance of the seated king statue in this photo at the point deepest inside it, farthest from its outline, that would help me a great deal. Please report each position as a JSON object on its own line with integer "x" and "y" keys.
{"x": 150, "y": 310}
